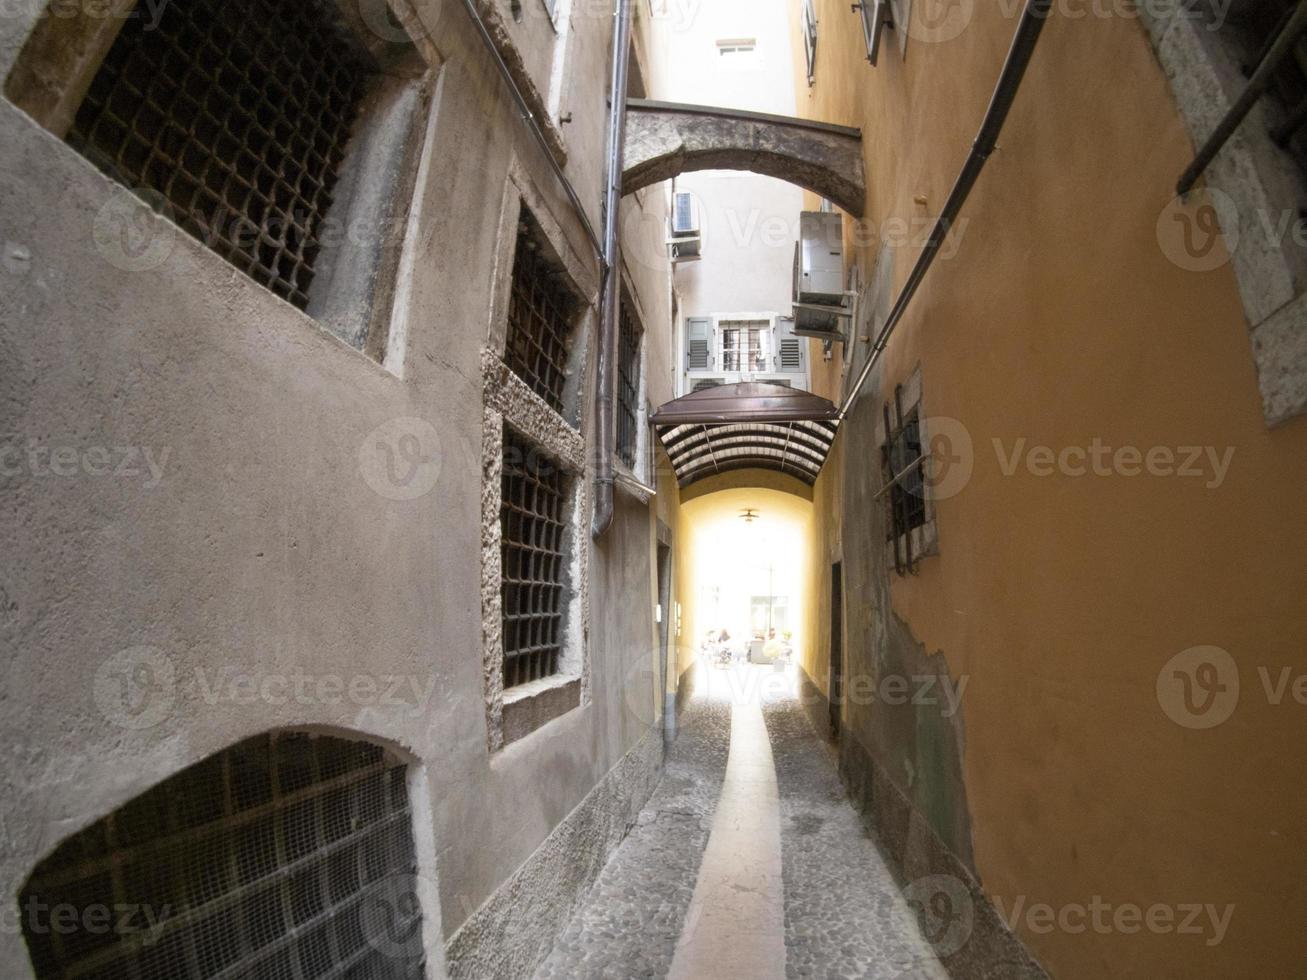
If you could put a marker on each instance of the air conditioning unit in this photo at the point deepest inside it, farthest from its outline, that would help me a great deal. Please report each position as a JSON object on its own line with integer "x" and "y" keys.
{"x": 819, "y": 299}
{"x": 686, "y": 239}
{"x": 702, "y": 383}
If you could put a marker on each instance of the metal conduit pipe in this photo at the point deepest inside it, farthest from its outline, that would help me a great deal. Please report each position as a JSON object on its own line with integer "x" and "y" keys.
{"x": 534, "y": 125}
{"x": 1005, "y": 93}
{"x": 612, "y": 288}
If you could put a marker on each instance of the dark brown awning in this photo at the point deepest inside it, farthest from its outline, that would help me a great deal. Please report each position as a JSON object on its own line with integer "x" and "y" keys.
{"x": 746, "y": 426}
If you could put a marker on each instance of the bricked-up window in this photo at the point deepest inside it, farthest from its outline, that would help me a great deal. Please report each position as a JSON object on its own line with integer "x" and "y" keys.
{"x": 286, "y": 856}
{"x": 533, "y": 552}
{"x": 540, "y": 316}
{"x": 628, "y": 384}
{"x": 237, "y": 112}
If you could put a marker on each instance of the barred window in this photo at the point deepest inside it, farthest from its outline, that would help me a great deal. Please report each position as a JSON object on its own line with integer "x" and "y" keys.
{"x": 744, "y": 345}
{"x": 533, "y": 552}
{"x": 540, "y": 316}
{"x": 628, "y": 384}
{"x": 287, "y": 856}
{"x": 1251, "y": 30}
{"x": 236, "y": 112}
{"x": 902, "y": 470}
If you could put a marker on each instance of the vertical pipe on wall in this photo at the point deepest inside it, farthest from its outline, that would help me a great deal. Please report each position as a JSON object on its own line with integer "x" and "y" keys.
{"x": 612, "y": 288}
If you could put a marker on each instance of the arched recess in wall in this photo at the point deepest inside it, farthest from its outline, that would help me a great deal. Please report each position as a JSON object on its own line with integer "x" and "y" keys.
{"x": 287, "y": 854}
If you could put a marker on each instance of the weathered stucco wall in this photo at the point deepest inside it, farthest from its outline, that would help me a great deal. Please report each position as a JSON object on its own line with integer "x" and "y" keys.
{"x": 270, "y": 541}
{"x": 1063, "y": 315}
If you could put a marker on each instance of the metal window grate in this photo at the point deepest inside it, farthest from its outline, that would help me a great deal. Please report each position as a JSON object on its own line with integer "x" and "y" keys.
{"x": 628, "y": 385}
{"x": 237, "y": 112}
{"x": 531, "y": 517}
{"x": 270, "y": 860}
{"x": 903, "y": 469}
{"x": 539, "y": 318}
{"x": 1252, "y": 31}
{"x": 744, "y": 346}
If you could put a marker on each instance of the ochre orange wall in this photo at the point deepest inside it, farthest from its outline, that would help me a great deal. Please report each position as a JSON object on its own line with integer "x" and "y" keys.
{"x": 1059, "y": 598}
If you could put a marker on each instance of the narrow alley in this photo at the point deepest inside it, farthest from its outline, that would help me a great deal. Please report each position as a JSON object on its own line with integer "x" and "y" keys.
{"x": 748, "y": 860}
{"x": 639, "y": 489}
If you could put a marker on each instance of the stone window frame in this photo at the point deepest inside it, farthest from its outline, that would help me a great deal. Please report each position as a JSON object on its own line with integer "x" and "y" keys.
{"x": 377, "y": 181}
{"x": 515, "y": 713}
{"x": 1255, "y": 178}
{"x": 924, "y": 538}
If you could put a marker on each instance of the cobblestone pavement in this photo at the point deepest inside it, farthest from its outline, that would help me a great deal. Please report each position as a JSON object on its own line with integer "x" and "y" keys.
{"x": 844, "y": 914}
{"x": 633, "y": 916}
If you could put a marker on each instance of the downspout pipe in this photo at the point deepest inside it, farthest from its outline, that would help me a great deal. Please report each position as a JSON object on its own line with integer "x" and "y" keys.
{"x": 1005, "y": 93}
{"x": 612, "y": 284}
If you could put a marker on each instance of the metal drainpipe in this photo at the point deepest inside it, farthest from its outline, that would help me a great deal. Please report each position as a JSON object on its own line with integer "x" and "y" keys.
{"x": 1005, "y": 93}
{"x": 612, "y": 288}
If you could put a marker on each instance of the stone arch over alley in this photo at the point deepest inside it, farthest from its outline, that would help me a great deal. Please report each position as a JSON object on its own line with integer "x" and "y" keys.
{"x": 664, "y": 139}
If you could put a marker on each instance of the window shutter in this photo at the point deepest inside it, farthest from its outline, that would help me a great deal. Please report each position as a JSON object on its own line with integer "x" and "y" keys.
{"x": 683, "y": 222}
{"x": 790, "y": 349}
{"x": 698, "y": 333}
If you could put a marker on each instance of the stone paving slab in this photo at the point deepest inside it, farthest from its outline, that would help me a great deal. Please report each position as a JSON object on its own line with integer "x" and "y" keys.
{"x": 845, "y": 916}
{"x": 631, "y": 921}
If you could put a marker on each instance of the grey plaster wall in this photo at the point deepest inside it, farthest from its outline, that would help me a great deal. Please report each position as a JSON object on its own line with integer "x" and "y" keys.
{"x": 272, "y": 540}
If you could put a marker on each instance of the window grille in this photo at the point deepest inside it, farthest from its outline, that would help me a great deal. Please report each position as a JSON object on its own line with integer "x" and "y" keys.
{"x": 744, "y": 347}
{"x": 903, "y": 470}
{"x": 237, "y": 112}
{"x": 791, "y": 355}
{"x": 628, "y": 385}
{"x": 531, "y": 518}
{"x": 1266, "y": 38}
{"x": 267, "y": 860}
{"x": 539, "y": 318}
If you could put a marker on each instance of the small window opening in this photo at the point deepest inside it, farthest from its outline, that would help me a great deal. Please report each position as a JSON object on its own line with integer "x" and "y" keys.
{"x": 903, "y": 473}
{"x": 540, "y": 318}
{"x": 628, "y": 384}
